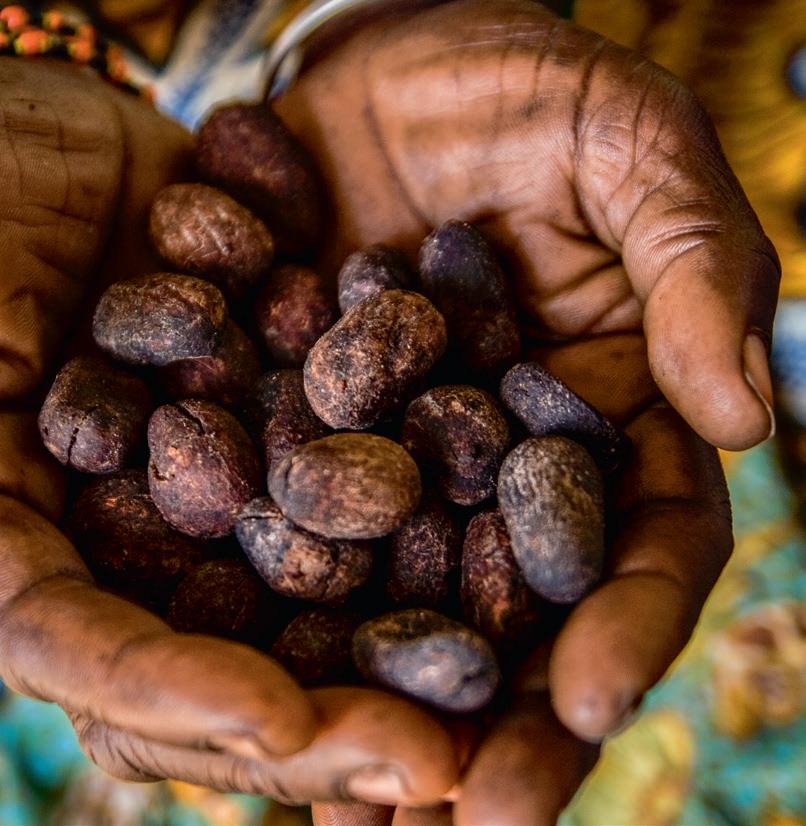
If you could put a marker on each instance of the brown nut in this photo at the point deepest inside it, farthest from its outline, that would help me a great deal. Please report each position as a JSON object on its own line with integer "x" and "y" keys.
{"x": 495, "y": 597}
{"x": 226, "y": 598}
{"x": 126, "y": 543}
{"x": 203, "y": 467}
{"x": 548, "y": 407}
{"x": 315, "y": 647}
{"x": 458, "y": 435}
{"x": 367, "y": 363}
{"x": 429, "y": 657}
{"x": 279, "y": 416}
{"x": 423, "y": 557}
{"x": 296, "y": 562}
{"x": 347, "y": 486}
{"x": 200, "y": 230}
{"x": 224, "y": 377}
{"x": 159, "y": 318}
{"x": 370, "y": 271}
{"x": 93, "y": 416}
{"x": 460, "y": 274}
{"x": 248, "y": 151}
{"x": 293, "y": 310}
{"x": 550, "y": 495}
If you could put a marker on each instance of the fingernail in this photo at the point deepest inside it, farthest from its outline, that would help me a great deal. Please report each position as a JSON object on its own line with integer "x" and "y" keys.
{"x": 376, "y": 784}
{"x": 757, "y": 373}
{"x": 453, "y": 794}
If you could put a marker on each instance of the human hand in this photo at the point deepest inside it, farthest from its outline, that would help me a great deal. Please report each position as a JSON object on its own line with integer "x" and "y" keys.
{"x": 645, "y": 282}
{"x": 80, "y": 164}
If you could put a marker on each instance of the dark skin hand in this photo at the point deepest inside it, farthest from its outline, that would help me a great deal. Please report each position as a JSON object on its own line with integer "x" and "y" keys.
{"x": 640, "y": 269}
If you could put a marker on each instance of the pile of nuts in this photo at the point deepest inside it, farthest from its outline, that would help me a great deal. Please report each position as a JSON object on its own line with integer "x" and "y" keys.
{"x": 398, "y": 499}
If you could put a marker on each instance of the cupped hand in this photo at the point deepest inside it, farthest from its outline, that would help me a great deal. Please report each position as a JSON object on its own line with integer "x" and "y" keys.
{"x": 645, "y": 281}
{"x": 80, "y": 164}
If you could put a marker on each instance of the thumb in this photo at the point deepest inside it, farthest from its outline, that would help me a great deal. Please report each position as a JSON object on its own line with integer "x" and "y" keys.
{"x": 694, "y": 252}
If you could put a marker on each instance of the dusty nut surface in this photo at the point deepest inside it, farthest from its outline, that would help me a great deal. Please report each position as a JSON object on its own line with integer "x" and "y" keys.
{"x": 370, "y": 271}
{"x": 429, "y": 657}
{"x": 550, "y": 494}
{"x": 347, "y": 486}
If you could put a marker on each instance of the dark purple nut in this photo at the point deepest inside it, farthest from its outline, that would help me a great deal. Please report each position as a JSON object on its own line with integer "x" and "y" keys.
{"x": 347, "y": 486}
{"x": 293, "y": 310}
{"x": 126, "y": 543}
{"x": 248, "y": 151}
{"x": 298, "y": 563}
{"x": 548, "y": 407}
{"x": 277, "y": 412}
{"x": 202, "y": 231}
{"x": 367, "y": 363}
{"x": 427, "y": 656}
{"x": 495, "y": 597}
{"x": 550, "y": 495}
{"x": 203, "y": 467}
{"x": 93, "y": 416}
{"x": 226, "y": 598}
{"x": 458, "y": 435}
{"x": 424, "y": 557}
{"x": 315, "y": 647}
{"x": 371, "y": 271}
{"x": 224, "y": 377}
{"x": 159, "y": 318}
{"x": 460, "y": 274}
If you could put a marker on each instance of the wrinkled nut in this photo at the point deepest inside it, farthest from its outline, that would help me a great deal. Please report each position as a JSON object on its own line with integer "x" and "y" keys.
{"x": 371, "y": 271}
{"x": 296, "y": 562}
{"x": 226, "y": 598}
{"x": 365, "y": 365}
{"x": 93, "y": 416}
{"x": 550, "y": 495}
{"x": 460, "y": 274}
{"x": 279, "y": 416}
{"x": 423, "y": 557}
{"x": 548, "y": 407}
{"x": 203, "y": 467}
{"x": 202, "y": 231}
{"x": 495, "y": 597}
{"x": 315, "y": 647}
{"x": 429, "y": 657}
{"x": 160, "y": 318}
{"x": 458, "y": 435}
{"x": 347, "y": 486}
{"x": 224, "y": 377}
{"x": 293, "y": 310}
{"x": 126, "y": 543}
{"x": 248, "y": 151}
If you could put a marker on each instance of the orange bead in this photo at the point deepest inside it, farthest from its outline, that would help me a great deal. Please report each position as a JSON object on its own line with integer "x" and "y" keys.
{"x": 15, "y": 17}
{"x": 33, "y": 41}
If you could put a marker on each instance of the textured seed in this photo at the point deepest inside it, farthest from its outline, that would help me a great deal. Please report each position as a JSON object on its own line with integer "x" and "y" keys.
{"x": 548, "y": 407}
{"x": 296, "y": 562}
{"x": 316, "y": 646}
{"x": 93, "y": 415}
{"x": 203, "y": 467}
{"x": 226, "y": 598}
{"x": 460, "y": 274}
{"x": 458, "y": 435}
{"x": 224, "y": 377}
{"x": 248, "y": 151}
{"x": 371, "y": 271}
{"x": 424, "y": 557}
{"x": 160, "y": 318}
{"x": 279, "y": 416}
{"x": 347, "y": 486}
{"x": 367, "y": 363}
{"x": 495, "y": 597}
{"x": 550, "y": 494}
{"x": 293, "y": 311}
{"x": 126, "y": 543}
{"x": 429, "y": 657}
{"x": 200, "y": 230}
